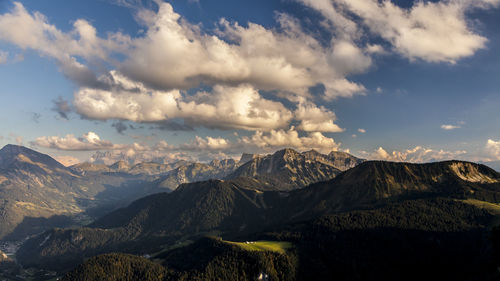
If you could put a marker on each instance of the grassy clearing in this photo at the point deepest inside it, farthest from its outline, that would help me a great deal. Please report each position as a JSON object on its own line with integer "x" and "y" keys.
{"x": 491, "y": 207}
{"x": 273, "y": 246}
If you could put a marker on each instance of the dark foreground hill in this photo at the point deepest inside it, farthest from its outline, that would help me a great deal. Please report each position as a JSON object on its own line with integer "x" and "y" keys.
{"x": 445, "y": 239}
{"x": 237, "y": 208}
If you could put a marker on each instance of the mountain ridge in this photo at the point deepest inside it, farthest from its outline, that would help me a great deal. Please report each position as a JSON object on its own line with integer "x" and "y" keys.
{"x": 234, "y": 208}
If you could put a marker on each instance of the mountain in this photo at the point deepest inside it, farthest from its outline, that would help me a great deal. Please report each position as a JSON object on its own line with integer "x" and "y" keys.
{"x": 437, "y": 236}
{"x": 378, "y": 182}
{"x": 205, "y": 259}
{"x": 288, "y": 169}
{"x": 238, "y": 207}
{"x": 37, "y": 192}
{"x": 196, "y": 172}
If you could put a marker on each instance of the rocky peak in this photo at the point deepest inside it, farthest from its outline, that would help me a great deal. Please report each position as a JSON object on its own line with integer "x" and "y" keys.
{"x": 12, "y": 156}
{"x": 246, "y": 157}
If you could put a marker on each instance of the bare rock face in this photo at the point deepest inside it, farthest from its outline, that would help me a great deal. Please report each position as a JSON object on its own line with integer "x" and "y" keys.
{"x": 288, "y": 169}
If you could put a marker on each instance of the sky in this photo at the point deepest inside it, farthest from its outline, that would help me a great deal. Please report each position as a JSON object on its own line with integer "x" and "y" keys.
{"x": 109, "y": 80}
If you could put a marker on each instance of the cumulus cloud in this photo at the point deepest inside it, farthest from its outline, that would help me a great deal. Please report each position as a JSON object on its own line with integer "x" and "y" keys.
{"x": 38, "y": 34}
{"x": 175, "y": 54}
{"x": 493, "y": 149}
{"x": 277, "y": 139}
{"x": 89, "y": 141}
{"x": 207, "y": 143}
{"x": 448, "y": 127}
{"x": 361, "y": 130}
{"x": 417, "y": 154}
{"x": 430, "y": 31}
{"x": 316, "y": 119}
{"x": 240, "y": 107}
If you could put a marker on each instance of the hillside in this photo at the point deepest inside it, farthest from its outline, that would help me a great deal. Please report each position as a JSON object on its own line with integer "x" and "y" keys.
{"x": 375, "y": 183}
{"x": 235, "y": 208}
{"x": 206, "y": 259}
{"x": 37, "y": 192}
{"x": 437, "y": 236}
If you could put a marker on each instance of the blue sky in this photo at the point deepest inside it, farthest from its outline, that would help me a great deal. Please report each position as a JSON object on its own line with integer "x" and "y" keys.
{"x": 161, "y": 81}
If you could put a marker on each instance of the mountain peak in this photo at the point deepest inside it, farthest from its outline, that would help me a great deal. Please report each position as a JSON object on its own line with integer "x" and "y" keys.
{"x": 246, "y": 157}
{"x": 13, "y": 155}
{"x": 287, "y": 154}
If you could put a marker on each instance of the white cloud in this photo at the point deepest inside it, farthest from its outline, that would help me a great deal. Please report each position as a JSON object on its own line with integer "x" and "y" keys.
{"x": 493, "y": 149}
{"x": 226, "y": 107}
{"x": 174, "y": 54}
{"x": 277, "y": 139}
{"x": 418, "y": 154}
{"x": 361, "y": 130}
{"x": 448, "y": 127}
{"x": 33, "y": 31}
{"x": 431, "y": 31}
{"x": 316, "y": 119}
{"x": 89, "y": 141}
{"x": 207, "y": 143}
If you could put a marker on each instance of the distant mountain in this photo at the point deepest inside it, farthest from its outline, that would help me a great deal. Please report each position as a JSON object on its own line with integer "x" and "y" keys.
{"x": 147, "y": 168}
{"x": 37, "y": 192}
{"x": 288, "y": 169}
{"x": 196, "y": 172}
{"x": 238, "y": 207}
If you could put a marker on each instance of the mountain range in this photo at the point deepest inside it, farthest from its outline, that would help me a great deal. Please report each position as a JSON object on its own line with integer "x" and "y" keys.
{"x": 282, "y": 216}
{"x": 37, "y": 192}
{"x": 239, "y": 208}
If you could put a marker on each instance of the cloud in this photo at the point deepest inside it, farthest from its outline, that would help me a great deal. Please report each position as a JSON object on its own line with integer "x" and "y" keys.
{"x": 448, "y": 127}
{"x": 207, "y": 143}
{"x": 120, "y": 126}
{"x": 82, "y": 41}
{"x": 277, "y": 139}
{"x": 493, "y": 149}
{"x": 316, "y": 119}
{"x": 62, "y": 107}
{"x": 175, "y": 54}
{"x": 430, "y": 31}
{"x": 225, "y": 107}
{"x": 417, "y": 154}
{"x": 361, "y": 130}
{"x": 87, "y": 142}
